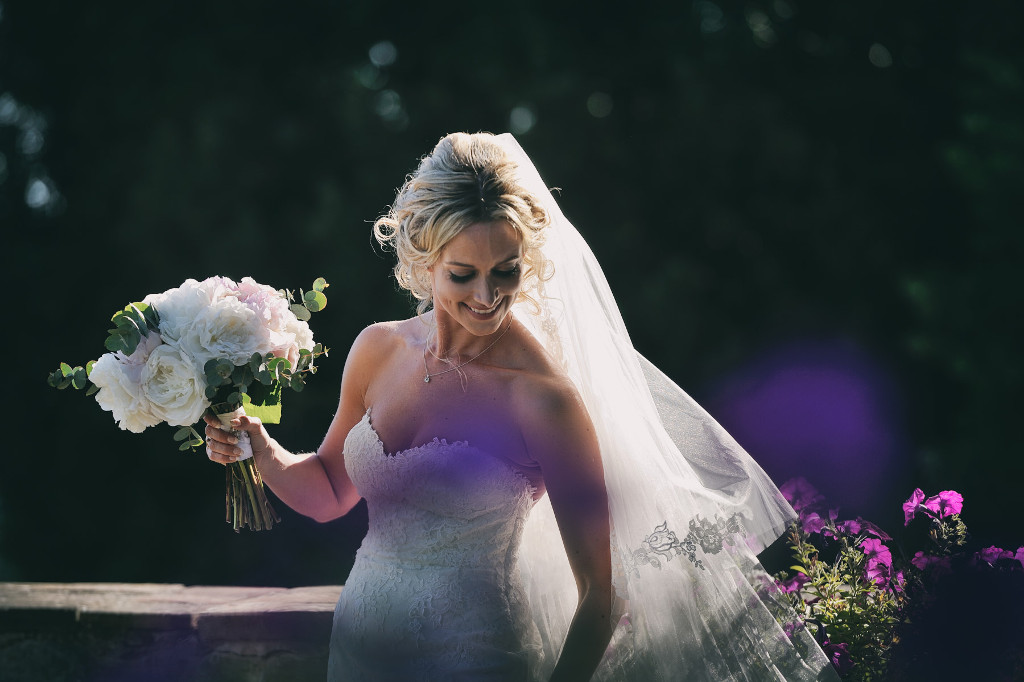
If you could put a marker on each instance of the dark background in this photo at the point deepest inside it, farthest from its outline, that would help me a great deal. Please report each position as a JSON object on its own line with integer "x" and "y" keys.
{"x": 807, "y": 212}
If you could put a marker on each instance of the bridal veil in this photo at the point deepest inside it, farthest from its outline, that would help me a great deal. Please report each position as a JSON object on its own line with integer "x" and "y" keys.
{"x": 689, "y": 508}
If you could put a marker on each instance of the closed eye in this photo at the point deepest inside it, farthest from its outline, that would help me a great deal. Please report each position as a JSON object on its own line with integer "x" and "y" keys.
{"x": 504, "y": 274}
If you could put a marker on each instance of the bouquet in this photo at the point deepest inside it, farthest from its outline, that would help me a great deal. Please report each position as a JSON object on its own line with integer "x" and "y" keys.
{"x": 219, "y": 346}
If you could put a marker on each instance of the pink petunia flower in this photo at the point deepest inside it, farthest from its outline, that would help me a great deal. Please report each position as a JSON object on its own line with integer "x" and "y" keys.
{"x": 800, "y": 494}
{"x": 839, "y": 655}
{"x": 990, "y": 555}
{"x": 910, "y": 506}
{"x": 946, "y": 503}
{"x": 927, "y": 562}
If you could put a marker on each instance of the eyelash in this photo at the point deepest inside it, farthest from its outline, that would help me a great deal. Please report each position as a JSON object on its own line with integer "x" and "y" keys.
{"x": 462, "y": 279}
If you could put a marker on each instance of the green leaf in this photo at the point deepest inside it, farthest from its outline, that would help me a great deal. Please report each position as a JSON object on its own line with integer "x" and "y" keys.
{"x": 263, "y": 376}
{"x": 211, "y": 392}
{"x": 88, "y": 366}
{"x": 93, "y": 388}
{"x": 183, "y": 433}
{"x": 798, "y": 569}
{"x": 300, "y": 311}
{"x": 297, "y": 384}
{"x": 314, "y": 301}
{"x": 269, "y": 413}
{"x": 319, "y": 284}
{"x": 65, "y": 369}
{"x": 185, "y": 446}
{"x": 80, "y": 379}
{"x": 255, "y": 362}
{"x": 234, "y": 398}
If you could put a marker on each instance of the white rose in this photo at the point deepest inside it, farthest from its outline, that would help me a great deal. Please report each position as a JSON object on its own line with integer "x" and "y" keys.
{"x": 178, "y": 308}
{"x": 174, "y": 386}
{"x": 227, "y": 329}
{"x": 120, "y": 392}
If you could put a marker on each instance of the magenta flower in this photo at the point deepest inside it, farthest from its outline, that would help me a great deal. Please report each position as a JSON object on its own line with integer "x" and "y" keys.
{"x": 876, "y": 551}
{"x": 927, "y": 562}
{"x": 946, "y": 503}
{"x": 910, "y": 506}
{"x": 879, "y": 566}
{"x": 990, "y": 555}
{"x": 858, "y": 526}
{"x": 899, "y": 582}
{"x": 839, "y": 655}
{"x": 812, "y": 522}
{"x": 800, "y": 494}
{"x": 1019, "y": 556}
{"x": 793, "y": 584}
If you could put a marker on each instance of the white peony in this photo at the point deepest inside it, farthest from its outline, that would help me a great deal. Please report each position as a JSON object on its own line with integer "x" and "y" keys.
{"x": 174, "y": 386}
{"x": 120, "y": 392}
{"x": 179, "y": 307}
{"x": 226, "y": 328}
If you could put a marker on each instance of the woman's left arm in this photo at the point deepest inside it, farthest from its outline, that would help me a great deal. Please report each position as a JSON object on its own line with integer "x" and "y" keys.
{"x": 561, "y": 439}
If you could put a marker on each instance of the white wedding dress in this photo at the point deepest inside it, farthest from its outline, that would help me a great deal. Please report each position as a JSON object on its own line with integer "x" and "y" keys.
{"x": 435, "y": 592}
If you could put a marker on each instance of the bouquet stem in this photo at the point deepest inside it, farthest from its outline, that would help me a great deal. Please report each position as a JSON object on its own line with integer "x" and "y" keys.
{"x": 245, "y": 500}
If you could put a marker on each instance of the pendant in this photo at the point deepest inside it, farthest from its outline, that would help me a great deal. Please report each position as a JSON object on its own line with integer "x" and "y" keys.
{"x": 426, "y": 379}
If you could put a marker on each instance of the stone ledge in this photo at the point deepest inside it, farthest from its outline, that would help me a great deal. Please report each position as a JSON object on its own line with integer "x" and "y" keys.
{"x": 119, "y": 631}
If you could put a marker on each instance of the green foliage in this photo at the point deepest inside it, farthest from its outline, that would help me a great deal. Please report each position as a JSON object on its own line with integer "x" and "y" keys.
{"x": 840, "y": 604}
{"x": 130, "y": 325}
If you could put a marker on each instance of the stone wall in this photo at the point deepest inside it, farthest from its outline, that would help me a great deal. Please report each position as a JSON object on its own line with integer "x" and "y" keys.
{"x": 116, "y": 632}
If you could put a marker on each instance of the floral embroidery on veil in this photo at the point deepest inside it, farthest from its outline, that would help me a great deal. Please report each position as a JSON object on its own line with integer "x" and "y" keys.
{"x": 710, "y": 536}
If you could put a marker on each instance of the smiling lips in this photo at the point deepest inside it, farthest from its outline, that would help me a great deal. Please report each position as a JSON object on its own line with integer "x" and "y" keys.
{"x": 486, "y": 312}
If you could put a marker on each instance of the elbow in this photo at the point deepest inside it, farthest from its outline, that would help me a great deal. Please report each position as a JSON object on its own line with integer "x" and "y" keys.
{"x": 330, "y": 512}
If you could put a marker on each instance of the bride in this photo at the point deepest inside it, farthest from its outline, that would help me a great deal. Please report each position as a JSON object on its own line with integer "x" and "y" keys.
{"x": 543, "y": 503}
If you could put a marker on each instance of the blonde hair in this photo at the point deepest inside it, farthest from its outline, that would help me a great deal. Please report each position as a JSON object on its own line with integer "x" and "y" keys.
{"x": 466, "y": 179}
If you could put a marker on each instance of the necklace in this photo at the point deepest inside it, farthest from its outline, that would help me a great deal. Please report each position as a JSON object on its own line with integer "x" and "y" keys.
{"x": 426, "y": 372}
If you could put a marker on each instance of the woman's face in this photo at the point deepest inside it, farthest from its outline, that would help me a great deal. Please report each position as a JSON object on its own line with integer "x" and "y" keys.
{"x": 478, "y": 276}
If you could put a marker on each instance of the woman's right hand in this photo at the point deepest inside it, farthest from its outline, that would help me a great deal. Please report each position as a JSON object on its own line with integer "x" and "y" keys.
{"x": 222, "y": 446}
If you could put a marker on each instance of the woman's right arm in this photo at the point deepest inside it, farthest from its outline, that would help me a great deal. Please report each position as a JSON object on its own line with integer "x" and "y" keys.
{"x": 313, "y": 484}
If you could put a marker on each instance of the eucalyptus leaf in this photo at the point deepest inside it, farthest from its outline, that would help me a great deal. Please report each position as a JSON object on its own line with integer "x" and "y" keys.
{"x": 185, "y": 446}
{"x": 319, "y": 284}
{"x": 268, "y": 414}
{"x": 80, "y": 379}
{"x": 93, "y": 388}
{"x": 314, "y": 301}
{"x": 183, "y": 433}
{"x": 300, "y": 311}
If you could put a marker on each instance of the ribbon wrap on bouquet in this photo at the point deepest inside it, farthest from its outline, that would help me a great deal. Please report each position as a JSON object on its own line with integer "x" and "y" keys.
{"x": 245, "y": 500}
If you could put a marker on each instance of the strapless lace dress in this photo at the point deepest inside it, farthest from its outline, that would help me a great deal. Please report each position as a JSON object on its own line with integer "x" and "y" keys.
{"x": 435, "y": 591}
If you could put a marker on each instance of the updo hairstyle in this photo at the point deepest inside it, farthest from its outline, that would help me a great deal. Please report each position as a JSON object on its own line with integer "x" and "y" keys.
{"x": 466, "y": 179}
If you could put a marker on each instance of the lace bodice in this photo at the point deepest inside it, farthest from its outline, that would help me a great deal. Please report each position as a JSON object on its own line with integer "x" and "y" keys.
{"x": 435, "y": 591}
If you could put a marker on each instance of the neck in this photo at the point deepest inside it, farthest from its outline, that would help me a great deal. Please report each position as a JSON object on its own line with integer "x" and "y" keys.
{"x": 452, "y": 340}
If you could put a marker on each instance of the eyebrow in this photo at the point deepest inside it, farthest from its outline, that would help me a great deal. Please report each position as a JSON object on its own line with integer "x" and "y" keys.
{"x": 473, "y": 267}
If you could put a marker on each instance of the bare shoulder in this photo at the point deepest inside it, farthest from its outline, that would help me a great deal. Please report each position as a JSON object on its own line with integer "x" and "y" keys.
{"x": 551, "y": 412}
{"x": 371, "y": 351}
{"x": 381, "y": 339}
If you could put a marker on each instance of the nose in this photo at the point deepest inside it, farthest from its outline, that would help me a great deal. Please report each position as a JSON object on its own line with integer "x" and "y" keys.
{"x": 487, "y": 293}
